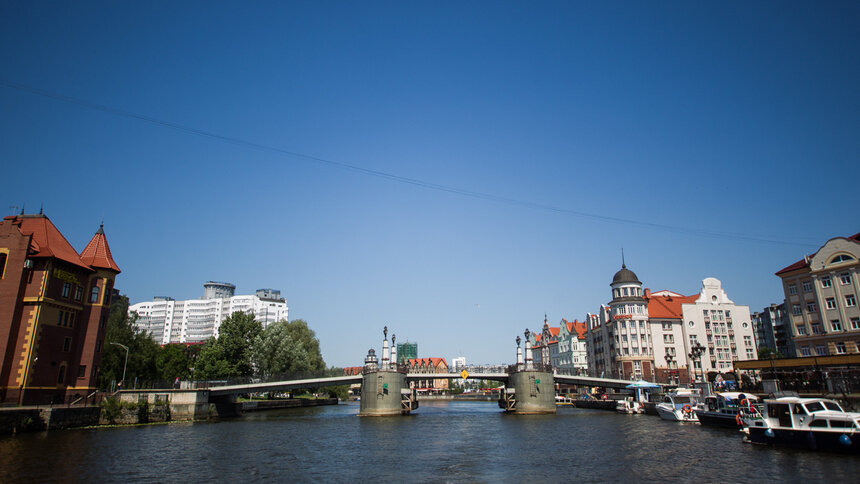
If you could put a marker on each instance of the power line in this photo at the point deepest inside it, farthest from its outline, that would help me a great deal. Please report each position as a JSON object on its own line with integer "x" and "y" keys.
{"x": 391, "y": 176}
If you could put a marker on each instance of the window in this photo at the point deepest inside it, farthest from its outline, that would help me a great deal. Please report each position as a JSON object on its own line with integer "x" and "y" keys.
{"x": 94, "y": 294}
{"x": 79, "y": 293}
{"x": 801, "y": 330}
{"x": 792, "y": 289}
{"x": 61, "y": 376}
{"x": 850, "y": 301}
{"x": 811, "y": 307}
{"x": 816, "y": 328}
{"x": 820, "y": 350}
{"x": 670, "y": 351}
{"x": 840, "y": 348}
{"x": 67, "y": 344}
{"x": 841, "y": 258}
{"x": 82, "y": 371}
{"x": 804, "y": 351}
{"x": 836, "y": 325}
{"x": 67, "y": 288}
{"x": 60, "y": 318}
{"x": 825, "y": 281}
{"x": 98, "y": 346}
{"x": 830, "y": 303}
{"x": 855, "y": 323}
{"x": 795, "y": 309}
{"x": 750, "y": 354}
{"x": 845, "y": 279}
{"x": 747, "y": 340}
{"x": 807, "y": 286}
{"x": 667, "y": 326}
{"x": 3, "y": 256}
{"x": 668, "y": 338}
{"x": 818, "y": 423}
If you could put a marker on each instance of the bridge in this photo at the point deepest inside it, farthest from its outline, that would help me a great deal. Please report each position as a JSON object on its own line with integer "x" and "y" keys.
{"x": 529, "y": 387}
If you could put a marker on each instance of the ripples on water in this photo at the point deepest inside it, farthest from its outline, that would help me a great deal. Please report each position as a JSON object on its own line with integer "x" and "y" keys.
{"x": 441, "y": 442}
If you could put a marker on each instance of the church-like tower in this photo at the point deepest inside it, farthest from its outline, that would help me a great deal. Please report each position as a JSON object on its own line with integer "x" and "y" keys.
{"x": 628, "y": 313}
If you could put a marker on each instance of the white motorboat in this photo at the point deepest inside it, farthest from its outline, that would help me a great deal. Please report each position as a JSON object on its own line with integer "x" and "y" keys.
{"x": 630, "y": 406}
{"x": 679, "y": 405}
{"x": 809, "y": 423}
{"x": 721, "y": 409}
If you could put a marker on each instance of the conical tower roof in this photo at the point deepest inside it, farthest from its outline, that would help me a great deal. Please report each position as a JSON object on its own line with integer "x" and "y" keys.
{"x": 97, "y": 252}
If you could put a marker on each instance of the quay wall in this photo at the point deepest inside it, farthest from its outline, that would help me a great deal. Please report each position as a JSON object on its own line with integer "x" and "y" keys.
{"x": 34, "y": 419}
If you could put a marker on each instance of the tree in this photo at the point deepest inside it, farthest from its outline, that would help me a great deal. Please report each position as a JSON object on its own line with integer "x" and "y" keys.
{"x": 173, "y": 361}
{"x": 274, "y": 351}
{"x": 142, "y": 349}
{"x": 230, "y": 354}
{"x": 766, "y": 353}
{"x": 306, "y": 338}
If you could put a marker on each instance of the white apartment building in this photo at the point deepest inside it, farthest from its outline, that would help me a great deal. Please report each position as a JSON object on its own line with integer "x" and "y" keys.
{"x": 652, "y": 335}
{"x": 196, "y": 320}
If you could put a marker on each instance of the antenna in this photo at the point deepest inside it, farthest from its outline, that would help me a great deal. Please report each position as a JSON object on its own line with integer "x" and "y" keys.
{"x": 623, "y": 265}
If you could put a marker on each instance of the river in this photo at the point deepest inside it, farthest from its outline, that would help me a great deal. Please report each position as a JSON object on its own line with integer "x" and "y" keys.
{"x": 440, "y": 442}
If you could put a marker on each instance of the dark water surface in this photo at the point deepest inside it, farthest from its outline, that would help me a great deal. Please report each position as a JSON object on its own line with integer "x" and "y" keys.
{"x": 441, "y": 442}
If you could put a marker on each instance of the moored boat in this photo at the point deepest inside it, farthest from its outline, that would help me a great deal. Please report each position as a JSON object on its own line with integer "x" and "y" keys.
{"x": 721, "y": 409}
{"x": 629, "y": 405}
{"x": 809, "y": 423}
{"x": 679, "y": 404}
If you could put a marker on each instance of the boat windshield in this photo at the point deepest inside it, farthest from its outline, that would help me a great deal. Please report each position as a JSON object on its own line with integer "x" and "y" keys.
{"x": 680, "y": 399}
{"x": 814, "y": 407}
{"x": 833, "y": 406}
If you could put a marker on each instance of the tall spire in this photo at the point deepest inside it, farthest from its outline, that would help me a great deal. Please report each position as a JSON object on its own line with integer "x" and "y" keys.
{"x": 97, "y": 252}
{"x": 623, "y": 265}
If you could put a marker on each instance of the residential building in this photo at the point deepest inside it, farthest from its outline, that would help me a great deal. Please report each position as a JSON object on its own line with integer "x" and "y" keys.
{"x": 719, "y": 325}
{"x": 772, "y": 330}
{"x": 458, "y": 364}
{"x": 54, "y": 305}
{"x": 651, "y": 335}
{"x": 428, "y": 366}
{"x": 563, "y": 346}
{"x": 196, "y": 320}
{"x": 821, "y": 293}
{"x": 666, "y": 324}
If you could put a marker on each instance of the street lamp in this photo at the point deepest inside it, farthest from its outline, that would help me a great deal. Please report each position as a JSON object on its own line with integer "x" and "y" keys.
{"x": 124, "y": 365}
{"x": 696, "y": 355}
{"x": 669, "y": 360}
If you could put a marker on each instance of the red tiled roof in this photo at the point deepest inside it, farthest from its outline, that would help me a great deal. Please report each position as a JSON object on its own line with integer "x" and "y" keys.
{"x": 353, "y": 370}
{"x": 47, "y": 240}
{"x": 426, "y": 361}
{"x": 97, "y": 252}
{"x": 668, "y": 306}
{"x": 805, "y": 261}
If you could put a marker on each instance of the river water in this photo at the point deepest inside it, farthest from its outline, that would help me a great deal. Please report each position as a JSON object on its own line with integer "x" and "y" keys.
{"x": 440, "y": 442}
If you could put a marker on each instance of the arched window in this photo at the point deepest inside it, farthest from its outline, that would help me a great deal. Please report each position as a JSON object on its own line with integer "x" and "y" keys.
{"x": 841, "y": 258}
{"x": 94, "y": 294}
{"x": 61, "y": 376}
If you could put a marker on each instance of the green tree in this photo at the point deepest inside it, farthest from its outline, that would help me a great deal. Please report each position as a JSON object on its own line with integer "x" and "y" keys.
{"x": 306, "y": 338}
{"x": 274, "y": 351}
{"x": 765, "y": 353}
{"x": 173, "y": 361}
{"x": 230, "y": 354}
{"x": 142, "y": 349}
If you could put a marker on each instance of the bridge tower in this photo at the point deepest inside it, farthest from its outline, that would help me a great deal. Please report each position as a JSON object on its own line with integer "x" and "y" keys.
{"x": 531, "y": 387}
{"x": 384, "y": 390}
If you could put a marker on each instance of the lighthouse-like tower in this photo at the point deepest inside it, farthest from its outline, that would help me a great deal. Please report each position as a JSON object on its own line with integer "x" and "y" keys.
{"x": 628, "y": 322}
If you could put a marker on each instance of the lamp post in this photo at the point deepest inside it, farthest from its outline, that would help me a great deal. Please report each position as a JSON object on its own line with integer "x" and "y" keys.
{"x": 669, "y": 360}
{"x": 124, "y": 365}
{"x": 696, "y": 355}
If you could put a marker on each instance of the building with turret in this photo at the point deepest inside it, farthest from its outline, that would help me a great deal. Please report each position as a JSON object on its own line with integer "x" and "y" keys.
{"x": 54, "y": 305}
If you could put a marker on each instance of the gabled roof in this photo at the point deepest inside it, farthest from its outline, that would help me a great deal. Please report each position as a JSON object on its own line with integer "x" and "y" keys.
{"x": 666, "y": 306}
{"x": 426, "y": 361}
{"x": 805, "y": 261}
{"x": 97, "y": 252}
{"x": 47, "y": 240}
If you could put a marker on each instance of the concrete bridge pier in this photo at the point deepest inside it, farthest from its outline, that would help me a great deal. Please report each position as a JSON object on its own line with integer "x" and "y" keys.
{"x": 384, "y": 390}
{"x": 530, "y": 388}
{"x": 227, "y": 406}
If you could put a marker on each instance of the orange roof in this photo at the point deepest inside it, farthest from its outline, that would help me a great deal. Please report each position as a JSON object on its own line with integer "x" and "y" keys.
{"x": 97, "y": 252}
{"x": 47, "y": 240}
{"x": 668, "y": 306}
{"x": 426, "y": 361}
{"x": 576, "y": 327}
{"x": 805, "y": 261}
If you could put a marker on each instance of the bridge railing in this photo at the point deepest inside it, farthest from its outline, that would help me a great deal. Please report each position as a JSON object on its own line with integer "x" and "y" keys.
{"x": 535, "y": 367}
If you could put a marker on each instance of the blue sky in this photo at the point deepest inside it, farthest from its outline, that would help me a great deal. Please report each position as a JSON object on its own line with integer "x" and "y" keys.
{"x": 684, "y": 120}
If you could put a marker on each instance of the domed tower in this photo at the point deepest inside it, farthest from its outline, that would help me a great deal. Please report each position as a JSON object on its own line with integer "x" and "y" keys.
{"x": 628, "y": 312}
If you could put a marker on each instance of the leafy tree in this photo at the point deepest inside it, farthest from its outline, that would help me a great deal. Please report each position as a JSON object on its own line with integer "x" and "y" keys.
{"x": 173, "y": 361}
{"x": 306, "y": 338}
{"x": 142, "y": 349}
{"x": 274, "y": 351}
{"x": 230, "y": 354}
{"x": 766, "y": 353}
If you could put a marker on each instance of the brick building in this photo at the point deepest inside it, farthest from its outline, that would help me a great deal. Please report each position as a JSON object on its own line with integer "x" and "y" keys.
{"x": 54, "y": 304}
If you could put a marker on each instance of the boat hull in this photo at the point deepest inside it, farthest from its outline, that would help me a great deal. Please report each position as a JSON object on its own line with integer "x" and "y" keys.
{"x": 675, "y": 415}
{"x": 806, "y": 439}
{"x": 717, "y": 419}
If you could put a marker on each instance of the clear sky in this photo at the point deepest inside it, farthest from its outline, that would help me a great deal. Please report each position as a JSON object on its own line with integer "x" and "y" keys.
{"x": 232, "y": 141}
